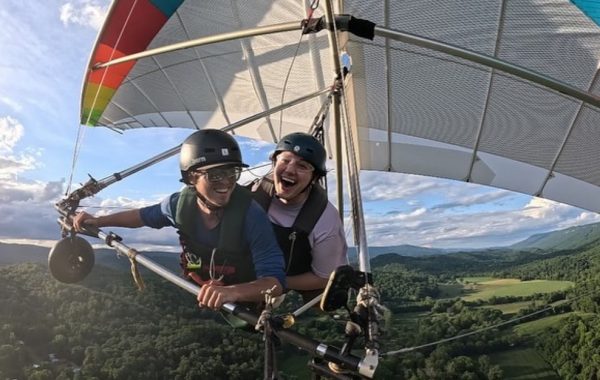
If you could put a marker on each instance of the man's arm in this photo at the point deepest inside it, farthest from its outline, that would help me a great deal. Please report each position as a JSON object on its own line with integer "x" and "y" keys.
{"x": 306, "y": 281}
{"x": 214, "y": 296}
{"x": 266, "y": 253}
{"x": 129, "y": 218}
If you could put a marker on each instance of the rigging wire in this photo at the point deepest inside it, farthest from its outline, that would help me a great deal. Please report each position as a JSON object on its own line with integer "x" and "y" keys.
{"x": 474, "y": 332}
{"x": 80, "y": 135}
{"x": 255, "y": 175}
{"x": 111, "y": 207}
{"x": 313, "y": 5}
{"x": 248, "y": 170}
{"x": 287, "y": 77}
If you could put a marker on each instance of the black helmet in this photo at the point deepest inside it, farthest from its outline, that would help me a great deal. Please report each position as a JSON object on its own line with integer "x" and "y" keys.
{"x": 209, "y": 148}
{"x": 305, "y": 146}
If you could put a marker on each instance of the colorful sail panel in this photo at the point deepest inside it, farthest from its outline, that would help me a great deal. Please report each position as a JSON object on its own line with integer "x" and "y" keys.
{"x": 131, "y": 26}
{"x": 591, "y": 8}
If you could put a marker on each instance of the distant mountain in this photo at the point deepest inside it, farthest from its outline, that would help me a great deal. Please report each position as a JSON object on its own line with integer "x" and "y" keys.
{"x": 569, "y": 238}
{"x": 566, "y": 239}
{"x": 23, "y": 253}
{"x": 403, "y": 250}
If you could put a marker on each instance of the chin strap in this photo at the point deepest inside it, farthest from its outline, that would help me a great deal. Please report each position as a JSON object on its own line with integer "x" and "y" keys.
{"x": 208, "y": 204}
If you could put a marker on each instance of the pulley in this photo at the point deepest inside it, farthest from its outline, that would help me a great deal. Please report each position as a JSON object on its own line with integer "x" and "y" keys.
{"x": 71, "y": 259}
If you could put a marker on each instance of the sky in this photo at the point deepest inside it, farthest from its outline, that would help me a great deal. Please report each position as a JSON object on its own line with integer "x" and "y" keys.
{"x": 44, "y": 49}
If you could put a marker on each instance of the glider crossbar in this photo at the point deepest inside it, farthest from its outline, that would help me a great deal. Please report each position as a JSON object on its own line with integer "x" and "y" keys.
{"x": 258, "y": 31}
{"x": 346, "y": 361}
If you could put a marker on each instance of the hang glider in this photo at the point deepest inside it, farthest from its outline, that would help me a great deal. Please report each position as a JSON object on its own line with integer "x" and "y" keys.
{"x": 497, "y": 93}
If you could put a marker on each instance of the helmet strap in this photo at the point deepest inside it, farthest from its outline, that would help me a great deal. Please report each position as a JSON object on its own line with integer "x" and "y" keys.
{"x": 205, "y": 202}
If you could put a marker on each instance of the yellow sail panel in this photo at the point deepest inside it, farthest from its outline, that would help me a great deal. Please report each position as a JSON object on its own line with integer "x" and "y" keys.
{"x": 95, "y": 100}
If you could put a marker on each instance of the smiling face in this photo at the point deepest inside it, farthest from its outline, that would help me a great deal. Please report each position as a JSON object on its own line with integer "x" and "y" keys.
{"x": 291, "y": 176}
{"x": 216, "y": 184}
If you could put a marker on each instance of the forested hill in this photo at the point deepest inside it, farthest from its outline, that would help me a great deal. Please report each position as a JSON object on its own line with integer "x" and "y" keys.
{"x": 104, "y": 328}
{"x": 569, "y": 238}
{"x": 23, "y": 253}
{"x": 562, "y": 243}
{"x": 560, "y": 240}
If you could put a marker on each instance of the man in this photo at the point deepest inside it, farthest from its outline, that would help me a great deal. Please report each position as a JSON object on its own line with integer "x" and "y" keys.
{"x": 307, "y": 225}
{"x": 228, "y": 243}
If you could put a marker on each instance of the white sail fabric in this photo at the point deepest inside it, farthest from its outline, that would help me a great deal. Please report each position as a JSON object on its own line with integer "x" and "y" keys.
{"x": 413, "y": 110}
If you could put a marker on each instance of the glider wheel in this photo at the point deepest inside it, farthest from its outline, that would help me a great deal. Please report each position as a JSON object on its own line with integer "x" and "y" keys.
{"x": 71, "y": 259}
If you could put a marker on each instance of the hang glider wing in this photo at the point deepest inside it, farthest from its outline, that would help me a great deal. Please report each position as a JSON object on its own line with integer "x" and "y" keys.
{"x": 413, "y": 109}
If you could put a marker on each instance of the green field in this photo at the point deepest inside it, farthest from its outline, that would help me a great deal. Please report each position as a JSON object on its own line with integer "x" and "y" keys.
{"x": 540, "y": 325}
{"x": 512, "y": 308}
{"x": 451, "y": 290}
{"x": 523, "y": 364}
{"x": 511, "y": 287}
{"x": 466, "y": 280}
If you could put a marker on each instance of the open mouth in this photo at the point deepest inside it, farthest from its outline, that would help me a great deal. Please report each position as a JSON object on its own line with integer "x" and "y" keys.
{"x": 287, "y": 182}
{"x": 223, "y": 190}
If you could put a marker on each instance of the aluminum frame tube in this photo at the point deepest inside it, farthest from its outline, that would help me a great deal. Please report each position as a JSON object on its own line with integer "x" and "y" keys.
{"x": 360, "y": 233}
{"x": 173, "y": 151}
{"x": 258, "y": 31}
{"x": 489, "y": 61}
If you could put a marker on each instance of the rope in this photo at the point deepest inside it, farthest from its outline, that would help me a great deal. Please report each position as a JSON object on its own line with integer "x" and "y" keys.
{"x": 313, "y": 5}
{"x": 79, "y": 138}
{"x": 510, "y": 321}
{"x": 287, "y": 77}
{"x": 135, "y": 271}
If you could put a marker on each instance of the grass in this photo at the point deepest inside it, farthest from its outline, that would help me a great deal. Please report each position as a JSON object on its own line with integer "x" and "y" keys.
{"x": 409, "y": 318}
{"x": 535, "y": 327}
{"x": 465, "y": 280}
{"x": 512, "y": 287}
{"x": 512, "y": 308}
{"x": 452, "y": 290}
{"x": 523, "y": 364}
{"x": 539, "y": 325}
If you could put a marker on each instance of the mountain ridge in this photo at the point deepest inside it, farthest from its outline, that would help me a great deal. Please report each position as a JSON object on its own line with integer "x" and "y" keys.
{"x": 563, "y": 239}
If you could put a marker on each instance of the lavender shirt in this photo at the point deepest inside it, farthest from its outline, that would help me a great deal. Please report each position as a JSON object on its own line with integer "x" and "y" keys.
{"x": 327, "y": 239}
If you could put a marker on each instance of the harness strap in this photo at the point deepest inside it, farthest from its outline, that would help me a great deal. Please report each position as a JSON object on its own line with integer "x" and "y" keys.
{"x": 262, "y": 191}
{"x": 230, "y": 257}
{"x": 232, "y": 223}
{"x": 311, "y": 211}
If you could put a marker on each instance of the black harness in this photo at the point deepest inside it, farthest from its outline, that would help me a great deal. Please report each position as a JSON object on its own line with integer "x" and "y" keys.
{"x": 293, "y": 240}
{"x": 230, "y": 262}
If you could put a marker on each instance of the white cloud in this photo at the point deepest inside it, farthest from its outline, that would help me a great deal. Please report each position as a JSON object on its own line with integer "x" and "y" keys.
{"x": 13, "y": 104}
{"x": 247, "y": 144}
{"x": 27, "y": 216}
{"x": 89, "y": 13}
{"x": 385, "y": 186}
{"x": 444, "y": 229}
{"x": 25, "y": 205}
{"x": 539, "y": 208}
{"x": 12, "y": 163}
{"x": 11, "y": 131}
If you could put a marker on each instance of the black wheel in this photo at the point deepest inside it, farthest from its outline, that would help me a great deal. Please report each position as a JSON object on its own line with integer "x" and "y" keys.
{"x": 71, "y": 259}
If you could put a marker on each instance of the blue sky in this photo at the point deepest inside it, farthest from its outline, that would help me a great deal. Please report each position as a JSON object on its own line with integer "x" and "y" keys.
{"x": 44, "y": 48}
